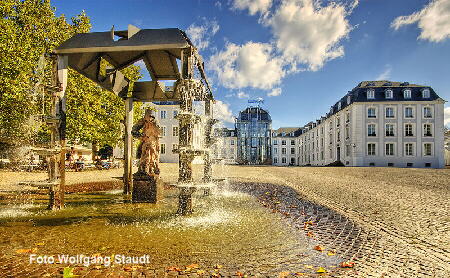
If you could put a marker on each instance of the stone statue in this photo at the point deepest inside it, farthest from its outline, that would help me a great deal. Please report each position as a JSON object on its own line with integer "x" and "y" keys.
{"x": 147, "y": 186}
{"x": 148, "y": 149}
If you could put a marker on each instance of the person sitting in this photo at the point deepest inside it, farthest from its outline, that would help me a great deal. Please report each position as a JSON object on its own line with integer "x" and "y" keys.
{"x": 70, "y": 157}
{"x": 79, "y": 164}
{"x": 98, "y": 163}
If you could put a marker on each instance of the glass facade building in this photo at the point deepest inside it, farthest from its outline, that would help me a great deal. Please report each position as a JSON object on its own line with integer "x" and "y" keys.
{"x": 253, "y": 127}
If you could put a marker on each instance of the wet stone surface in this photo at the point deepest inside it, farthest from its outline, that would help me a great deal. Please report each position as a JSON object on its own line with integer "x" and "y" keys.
{"x": 231, "y": 234}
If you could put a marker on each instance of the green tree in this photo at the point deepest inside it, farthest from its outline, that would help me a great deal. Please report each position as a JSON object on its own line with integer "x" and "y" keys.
{"x": 94, "y": 115}
{"x": 28, "y": 29}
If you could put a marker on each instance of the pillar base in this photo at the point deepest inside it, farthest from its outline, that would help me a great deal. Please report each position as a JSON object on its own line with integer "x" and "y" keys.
{"x": 55, "y": 202}
{"x": 56, "y": 196}
{"x": 147, "y": 189}
{"x": 185, "y": 201}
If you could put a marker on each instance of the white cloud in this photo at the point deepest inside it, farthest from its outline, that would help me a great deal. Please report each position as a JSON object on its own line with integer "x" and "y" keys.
{"x": 253, "y": 6}
{"x": 386, "y": 74}
{"x": 308, "y": 33}
{"x": 447, "y": 116}
{"x": 218, "y": 4}
{"x": 433, "y": 20}
{"x": 201, "y": 34}
{"x": 275, "y": 92}
{"x": 222, "y": 112}
{"x": 249, "y": 65}
{"x": 241, "y": 94}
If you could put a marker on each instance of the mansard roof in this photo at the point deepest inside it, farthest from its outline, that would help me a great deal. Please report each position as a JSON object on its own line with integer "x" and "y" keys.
{"x": 225, "y": 132}
{"x": 287, "y": 131}
{"x": 359, "y": 94}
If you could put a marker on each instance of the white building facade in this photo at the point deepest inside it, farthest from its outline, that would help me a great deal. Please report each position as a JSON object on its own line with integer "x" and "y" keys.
{"x": 378, "y": 123}
{"x": 165, "y": 114}
{"x": 285, "y": 151}
{"x": 225, "y": 149}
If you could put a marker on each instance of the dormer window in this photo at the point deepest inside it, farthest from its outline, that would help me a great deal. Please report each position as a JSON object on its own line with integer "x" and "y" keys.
{"x": 389, "y": 94}
{"x": 371, "y": 94}
{"x": 339, "y": 105}
{"x": 348, "y": 99}
{"x": 407, "y": 94}
{"x": 426, "y": 93}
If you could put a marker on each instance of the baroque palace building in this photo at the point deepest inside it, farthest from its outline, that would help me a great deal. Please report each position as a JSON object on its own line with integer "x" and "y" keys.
{"x": 225, "y": 149}
{"x": 378, "y": 123}
{"x": 285, "y": 146}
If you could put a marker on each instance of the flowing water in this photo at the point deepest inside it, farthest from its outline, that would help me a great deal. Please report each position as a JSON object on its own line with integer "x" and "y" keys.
{"x": 228, "y": 228}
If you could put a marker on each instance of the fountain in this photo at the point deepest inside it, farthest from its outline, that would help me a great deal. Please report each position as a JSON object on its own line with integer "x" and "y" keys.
{"x": 159, "y": 49}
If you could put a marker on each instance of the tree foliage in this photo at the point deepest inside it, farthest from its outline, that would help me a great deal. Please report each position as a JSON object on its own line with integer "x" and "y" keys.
{"x": 29, "y": 29}
{"x": 94, "y": 114}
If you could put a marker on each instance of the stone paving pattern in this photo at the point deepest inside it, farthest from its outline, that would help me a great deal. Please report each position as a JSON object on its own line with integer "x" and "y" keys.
{"x": 391, "y": 222}
{"x": 399, "y": 217}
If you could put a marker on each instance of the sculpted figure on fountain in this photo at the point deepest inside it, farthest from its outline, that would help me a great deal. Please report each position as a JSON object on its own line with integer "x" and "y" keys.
{"x": 148, "y": 150}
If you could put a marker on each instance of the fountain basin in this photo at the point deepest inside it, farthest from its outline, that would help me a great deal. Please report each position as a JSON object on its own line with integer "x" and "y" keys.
{"x": 229, "y": 228}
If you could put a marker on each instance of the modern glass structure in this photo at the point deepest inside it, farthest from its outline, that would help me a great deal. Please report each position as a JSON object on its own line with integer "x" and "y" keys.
{"x": 253, "y": 128}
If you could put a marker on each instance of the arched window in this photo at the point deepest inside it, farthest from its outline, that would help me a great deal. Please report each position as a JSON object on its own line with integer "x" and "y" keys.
{"x": 389, "y": 94}
{"x": 407, "y": 93}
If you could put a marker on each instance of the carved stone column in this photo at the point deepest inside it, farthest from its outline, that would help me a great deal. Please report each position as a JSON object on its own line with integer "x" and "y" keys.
{"x": 57, "y": 172}
{"x": 209, "y": 141}
{"x": 186, "y": 120}
{"x": 189, "y": 89}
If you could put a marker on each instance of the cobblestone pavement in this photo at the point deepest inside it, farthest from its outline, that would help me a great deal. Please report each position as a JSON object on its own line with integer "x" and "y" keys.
{"x": 390, "y": 222}
{"x": 396, "y": 220}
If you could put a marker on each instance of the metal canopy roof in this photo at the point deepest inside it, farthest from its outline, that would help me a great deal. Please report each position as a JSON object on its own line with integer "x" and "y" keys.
{"x": 159, "y": 49}
{"x": 133, "y": 39}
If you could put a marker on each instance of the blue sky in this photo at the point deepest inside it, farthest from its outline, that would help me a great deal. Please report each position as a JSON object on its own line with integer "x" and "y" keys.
{"x": 301, "y": 56}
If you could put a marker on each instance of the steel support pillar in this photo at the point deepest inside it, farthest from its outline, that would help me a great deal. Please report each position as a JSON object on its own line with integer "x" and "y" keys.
{"x": 128, "y": 148}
